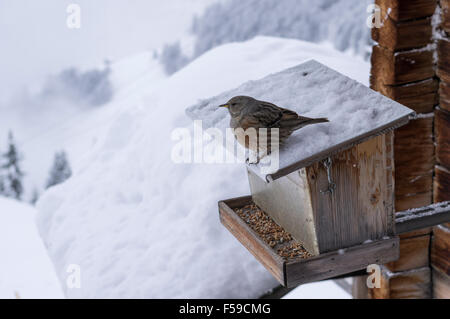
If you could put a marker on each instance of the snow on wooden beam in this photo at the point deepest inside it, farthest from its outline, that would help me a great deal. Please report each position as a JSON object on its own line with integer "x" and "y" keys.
{"x": 419, "y": 218}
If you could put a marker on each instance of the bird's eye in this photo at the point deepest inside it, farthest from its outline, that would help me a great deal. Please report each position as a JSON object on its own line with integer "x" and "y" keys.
{"x": 233, "y": 104}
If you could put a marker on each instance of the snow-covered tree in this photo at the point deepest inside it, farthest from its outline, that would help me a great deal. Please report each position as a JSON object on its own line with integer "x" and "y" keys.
{"x": 60, "y": 170}
{"x": 11, "y": 172}
{"x": 34, "y": 196}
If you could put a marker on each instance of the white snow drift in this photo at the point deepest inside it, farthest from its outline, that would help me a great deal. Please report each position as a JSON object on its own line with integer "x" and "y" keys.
{"x": 25, "y": 269}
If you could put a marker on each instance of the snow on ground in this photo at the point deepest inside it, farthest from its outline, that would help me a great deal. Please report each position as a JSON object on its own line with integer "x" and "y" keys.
{"x": 318, "y": 290}
{"x": 25, "y": 268}
{"x": 140, "y": 225}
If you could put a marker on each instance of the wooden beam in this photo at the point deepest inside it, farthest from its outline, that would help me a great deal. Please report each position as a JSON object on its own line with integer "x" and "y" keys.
{"x": 443, "y": 65}
{"x": 423, "y": 217}
{"x": 441, "y": 184}
{"x": 441, "y": 285}
{"x": 420, "y": 96}
{"x": 404, "y": 35}
{"x": 442, "y": 136}
{"x": 414, "y": 164}
{"x": 444, "y": 96}
{"x": 445, "y": 6}
{"x": 394, "y": 68}
{"x": 414, "y": 253}
{"x": 412, "y": 284}
{"x": 440, "y": 249}
{"x": 401, "y": 10}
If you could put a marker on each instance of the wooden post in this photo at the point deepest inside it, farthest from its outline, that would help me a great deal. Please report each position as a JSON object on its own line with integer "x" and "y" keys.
{"x": 403, "y": 68}
{"x": 440, "y": 252}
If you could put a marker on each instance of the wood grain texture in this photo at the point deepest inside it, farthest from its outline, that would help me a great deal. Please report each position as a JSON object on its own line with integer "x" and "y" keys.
{"x": 401, "y": 10}
{"x": 441, "y": 184}
{"x": 333, "y": 264}
{"x": 445, "y": 10}
{"x": 414, "y": 164}
{"x": 420, "y": 96}
{"x": 442, "y": 136}
{"x": 440, "y": 249}
{"x": 361, "y": 207}
{"x": 413, "y": 201}
{"x": 403, "y": 35}
{"x": 441, "y": 285}
{"x": 391, "y": 68}
{"x": 257, "y": 247}
{"x": 414, "y": 253}
{"x": 444, "y": 96}
{"x": 415, "y": 233}
{"x": 443, "y": 65}
{"x": 412, "y": 284}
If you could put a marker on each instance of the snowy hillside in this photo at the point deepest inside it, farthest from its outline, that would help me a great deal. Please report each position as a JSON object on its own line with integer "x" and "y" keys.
{"x": 25, "y": 269}
{"x": 51, "y": 120}
{"x": 138, "y": 224}
{"x": 339, "y": 22}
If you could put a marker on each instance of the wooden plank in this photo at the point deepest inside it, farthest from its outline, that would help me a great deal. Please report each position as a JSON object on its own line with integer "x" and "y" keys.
{"x": 288, "y": 201}
{"x": 401, "y": 10}
{"x": 420, "y": 96}
{"x": 257, "y": 247}
{"x": 414, "y": 164}
{"x": 443, "y": 65}
{"x": 445, "y": 10}
{"x": 359, "y": 288}
{"x": 394, "y": 68}
{"x": 423, "y": 217}
{"x": 414, "y": 233}
{"x": 441, "y": 285}
{"x": 412, "y": 284}
{"x": 404, "y": 35}
{"x": 413, "y": 201}
{"x": 360, "y": 207}
{"x": 442, "y": 184}
{"x": 444, "y": 96}
{"x": 341, "y": 262}
{"x": 442, "y": 136}
{"x": 440, "y": 249}
{"x": 414, "y": 253}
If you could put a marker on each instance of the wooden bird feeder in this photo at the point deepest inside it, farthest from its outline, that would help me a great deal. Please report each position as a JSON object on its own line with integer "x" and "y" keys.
{"x": 335, "y": 199}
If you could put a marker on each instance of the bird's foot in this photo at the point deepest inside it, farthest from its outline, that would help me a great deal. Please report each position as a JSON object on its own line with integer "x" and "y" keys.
{"x": 254, "y": 161}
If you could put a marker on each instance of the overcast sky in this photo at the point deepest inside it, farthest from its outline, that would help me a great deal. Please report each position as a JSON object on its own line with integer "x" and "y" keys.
{"x": 35, "y": 39}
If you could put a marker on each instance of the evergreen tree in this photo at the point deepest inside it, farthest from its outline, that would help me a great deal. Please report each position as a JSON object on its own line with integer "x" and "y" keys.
{"x": 60, "y": 170}
{"x": 11, "y": 172}
{"x": 34, "y": 196}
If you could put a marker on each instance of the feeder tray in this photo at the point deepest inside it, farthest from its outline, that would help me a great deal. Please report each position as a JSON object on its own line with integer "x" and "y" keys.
{"x": 291, "y": 272}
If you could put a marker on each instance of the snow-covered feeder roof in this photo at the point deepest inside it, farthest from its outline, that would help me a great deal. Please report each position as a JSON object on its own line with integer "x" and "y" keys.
{"x": 311, "y": 89}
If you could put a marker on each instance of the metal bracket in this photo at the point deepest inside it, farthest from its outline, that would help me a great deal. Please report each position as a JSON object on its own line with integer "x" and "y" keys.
{"x": 331, "y": 185}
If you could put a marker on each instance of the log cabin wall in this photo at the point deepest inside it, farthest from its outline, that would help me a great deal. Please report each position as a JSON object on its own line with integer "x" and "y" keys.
{"x": 404, "y": 69}
{"x": 440, "y": 249}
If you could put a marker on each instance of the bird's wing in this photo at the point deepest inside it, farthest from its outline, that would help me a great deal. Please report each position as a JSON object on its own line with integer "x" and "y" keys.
{"x": 267, "y": 115}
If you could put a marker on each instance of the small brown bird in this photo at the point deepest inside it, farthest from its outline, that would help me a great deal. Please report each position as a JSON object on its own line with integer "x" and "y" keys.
{"x": 247, "y": 112}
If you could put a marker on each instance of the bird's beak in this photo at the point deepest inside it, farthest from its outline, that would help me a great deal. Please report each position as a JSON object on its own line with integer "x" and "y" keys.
{"x": 224, "y": 105}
